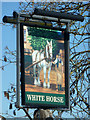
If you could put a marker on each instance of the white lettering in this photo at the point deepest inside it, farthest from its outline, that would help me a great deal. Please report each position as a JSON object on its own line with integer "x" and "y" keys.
{"x": 47, "y": 99}
{"x": 43, "y": 98}
{"x": 29, "y": 97}
{"x": 54, "y": 99}
{"x": 33, "y": 97}
{"x": 36, "y": 97}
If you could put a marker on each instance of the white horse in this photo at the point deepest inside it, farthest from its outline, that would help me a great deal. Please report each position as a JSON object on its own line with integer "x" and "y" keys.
{"x": 39, "y": 56}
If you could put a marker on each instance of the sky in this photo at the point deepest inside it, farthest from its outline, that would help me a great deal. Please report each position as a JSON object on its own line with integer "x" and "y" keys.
{"x": 0, "y": 61}
{"x": 8, "y": 75}
{"x": 8, "y": 38}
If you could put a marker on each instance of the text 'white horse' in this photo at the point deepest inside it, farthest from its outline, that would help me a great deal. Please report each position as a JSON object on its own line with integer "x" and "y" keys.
{"x": 39, "y": 56}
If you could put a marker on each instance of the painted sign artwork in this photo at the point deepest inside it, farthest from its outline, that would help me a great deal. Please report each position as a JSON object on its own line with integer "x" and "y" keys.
{"x": 44, "y": 67}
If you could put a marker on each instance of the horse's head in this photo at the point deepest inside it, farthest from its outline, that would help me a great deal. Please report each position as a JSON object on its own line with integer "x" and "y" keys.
{"x": 49, "y": 49}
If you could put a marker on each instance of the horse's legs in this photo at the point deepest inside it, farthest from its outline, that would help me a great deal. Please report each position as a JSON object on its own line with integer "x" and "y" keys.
{"x": 48, "y": 84}
{"x": 34, "y": 70}
{"x": 44, "y": 70}
{"x": 39, "y": 69}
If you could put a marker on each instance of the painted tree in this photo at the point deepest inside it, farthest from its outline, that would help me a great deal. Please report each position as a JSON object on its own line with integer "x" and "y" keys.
{"x": 79, "y": 55}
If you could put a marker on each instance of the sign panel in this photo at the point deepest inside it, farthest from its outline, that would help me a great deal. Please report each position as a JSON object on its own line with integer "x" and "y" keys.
{"x": 44, "y": 68}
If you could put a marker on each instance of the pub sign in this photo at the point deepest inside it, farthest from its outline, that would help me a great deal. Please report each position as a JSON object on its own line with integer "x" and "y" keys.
{"x": 44, "y": 67}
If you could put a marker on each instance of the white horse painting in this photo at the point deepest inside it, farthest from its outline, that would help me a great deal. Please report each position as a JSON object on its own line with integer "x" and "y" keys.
{"x": 39, "y": 56}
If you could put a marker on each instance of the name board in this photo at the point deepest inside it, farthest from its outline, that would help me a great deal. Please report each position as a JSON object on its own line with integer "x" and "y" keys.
{"x": 44, "y": 67}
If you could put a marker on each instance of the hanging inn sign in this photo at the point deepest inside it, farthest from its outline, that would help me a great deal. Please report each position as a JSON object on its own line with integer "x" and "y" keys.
{"x": 43, "y": 56}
